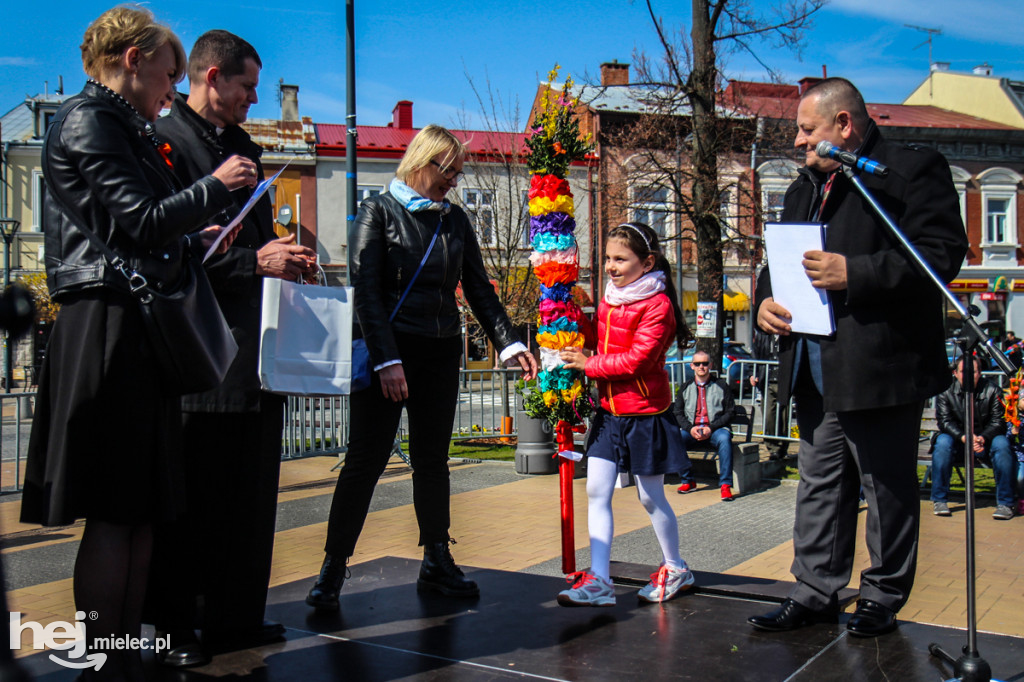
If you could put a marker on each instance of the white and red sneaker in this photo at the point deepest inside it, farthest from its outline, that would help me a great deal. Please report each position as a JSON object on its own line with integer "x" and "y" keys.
{"x": 587, "y": 590}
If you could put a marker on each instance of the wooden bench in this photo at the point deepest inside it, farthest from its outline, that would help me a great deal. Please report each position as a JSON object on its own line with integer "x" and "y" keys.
{"x": 929, "y": 430}
{"x": 746, "y": 459}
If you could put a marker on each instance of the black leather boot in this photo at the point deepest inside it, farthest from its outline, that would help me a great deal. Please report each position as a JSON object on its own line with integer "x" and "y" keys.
{"x": 324, "y": 595}
{"x": 439, "y": 572}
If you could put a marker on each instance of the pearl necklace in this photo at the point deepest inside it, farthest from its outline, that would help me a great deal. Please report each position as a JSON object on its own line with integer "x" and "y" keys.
{"x": 117, "y": 96}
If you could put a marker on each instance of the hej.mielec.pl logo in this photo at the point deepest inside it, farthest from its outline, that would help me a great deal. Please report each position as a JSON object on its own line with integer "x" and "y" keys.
{"x": 64, "y": 636}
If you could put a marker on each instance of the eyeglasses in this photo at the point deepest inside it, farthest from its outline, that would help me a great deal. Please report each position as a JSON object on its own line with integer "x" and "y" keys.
{"x": 449, "y": 173}
{"x": 702, "y": 363}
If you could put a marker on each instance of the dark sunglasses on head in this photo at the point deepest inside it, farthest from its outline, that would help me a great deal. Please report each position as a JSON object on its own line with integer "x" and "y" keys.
{"x": 701, "y": 363}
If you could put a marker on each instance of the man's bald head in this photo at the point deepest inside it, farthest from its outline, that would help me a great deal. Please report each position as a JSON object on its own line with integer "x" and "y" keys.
{"x": 838, "y": 94}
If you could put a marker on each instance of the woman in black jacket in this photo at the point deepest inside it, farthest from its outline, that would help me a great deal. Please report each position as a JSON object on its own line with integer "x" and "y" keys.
{"x": 105, "y": 442}
{"x": 412, "y": 236}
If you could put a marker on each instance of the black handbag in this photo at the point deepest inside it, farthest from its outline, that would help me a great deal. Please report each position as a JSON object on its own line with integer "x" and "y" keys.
{"x": 191, "y": 339}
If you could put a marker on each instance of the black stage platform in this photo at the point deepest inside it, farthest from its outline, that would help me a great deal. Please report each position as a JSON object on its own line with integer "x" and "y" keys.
{"x": 515, "y": 630}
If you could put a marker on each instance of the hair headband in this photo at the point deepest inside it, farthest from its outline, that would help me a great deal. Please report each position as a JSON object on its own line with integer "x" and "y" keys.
{"x": 641, "y": 233}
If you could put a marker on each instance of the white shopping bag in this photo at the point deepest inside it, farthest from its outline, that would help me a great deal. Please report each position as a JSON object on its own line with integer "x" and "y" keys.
{"x": 305, "y": 338}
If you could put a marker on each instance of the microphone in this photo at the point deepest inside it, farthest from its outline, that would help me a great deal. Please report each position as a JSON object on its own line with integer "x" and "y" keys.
{"x": 826, "y": 151}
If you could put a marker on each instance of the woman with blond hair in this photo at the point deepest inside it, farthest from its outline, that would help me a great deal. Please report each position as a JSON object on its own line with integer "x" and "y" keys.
{"x": 409, "y": 249}
{"x": 105, "y": 442}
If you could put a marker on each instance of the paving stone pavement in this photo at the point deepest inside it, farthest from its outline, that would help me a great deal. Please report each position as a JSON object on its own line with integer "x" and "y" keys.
{"x": 507, "y": 521}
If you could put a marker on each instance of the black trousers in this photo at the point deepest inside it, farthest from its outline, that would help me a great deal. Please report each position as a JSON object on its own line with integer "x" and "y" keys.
{"x": 432, "y": 371}
{"x": 211, "y": 567}
{"x": 840, "y": 454}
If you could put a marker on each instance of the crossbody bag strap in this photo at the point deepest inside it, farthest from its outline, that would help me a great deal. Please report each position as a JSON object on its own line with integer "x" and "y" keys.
{"x": 137, "y": 283}
{"x": 418, "y": 270}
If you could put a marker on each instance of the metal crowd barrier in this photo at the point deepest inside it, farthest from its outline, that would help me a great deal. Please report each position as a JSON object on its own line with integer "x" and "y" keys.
{"x": 319, "y": 426}
{"x": 487, "y": 402}
{"x": 769, "y": 424}
{"x": 15, "y": 426}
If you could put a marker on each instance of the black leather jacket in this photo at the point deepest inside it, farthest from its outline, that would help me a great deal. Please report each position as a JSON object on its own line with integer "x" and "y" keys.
{"x": 99, "y": 161}
{"x": 197, "y": 150}
{"x": 386, "y": 245}
{"x": 988, "y": 411}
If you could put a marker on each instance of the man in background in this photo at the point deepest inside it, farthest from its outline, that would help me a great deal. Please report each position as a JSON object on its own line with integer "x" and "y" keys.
{"x": 219, "y": 555}
{"x": 704, "y": 409}
{"x": 989, "y": 443}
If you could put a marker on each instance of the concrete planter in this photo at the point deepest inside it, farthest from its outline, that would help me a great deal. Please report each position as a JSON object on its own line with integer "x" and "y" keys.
{"x": 536, "y": 446}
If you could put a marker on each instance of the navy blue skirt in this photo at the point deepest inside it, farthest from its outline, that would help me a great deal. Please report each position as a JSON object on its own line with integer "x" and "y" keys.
{"x": 645, "y": 445}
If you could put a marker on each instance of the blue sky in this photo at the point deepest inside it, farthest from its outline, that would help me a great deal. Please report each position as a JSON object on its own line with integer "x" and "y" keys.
{"x": 424, "y": 51}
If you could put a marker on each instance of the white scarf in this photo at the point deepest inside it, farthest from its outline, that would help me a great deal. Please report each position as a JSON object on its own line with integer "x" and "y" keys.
{"x": 638, "y": 290}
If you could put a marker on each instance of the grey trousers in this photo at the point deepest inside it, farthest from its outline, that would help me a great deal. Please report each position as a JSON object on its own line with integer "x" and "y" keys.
{"x": 840, "y": 454}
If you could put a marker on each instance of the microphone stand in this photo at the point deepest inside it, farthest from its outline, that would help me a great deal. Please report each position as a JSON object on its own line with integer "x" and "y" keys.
{"x": 970, "y": 667}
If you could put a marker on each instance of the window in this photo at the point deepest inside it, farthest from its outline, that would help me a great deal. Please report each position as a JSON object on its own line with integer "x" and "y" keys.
{"x": 479, "y": 204}
{"x": 961, "y": 178}
{"x": 996, "y": 215}
{"x": 775, "y": 177}
{"x": 367, "y": 191}
{"x": 725, "y": 213}
{"x": 650, "y": 206}
{"x": 38, "y": 194}
{"x": 526, "y": 244}
{"x": 772, "y": 204}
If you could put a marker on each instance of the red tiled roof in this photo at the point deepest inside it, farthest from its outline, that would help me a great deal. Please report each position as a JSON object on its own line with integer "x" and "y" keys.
{"x": 926, "y": 116}
{"x": 773, "y": 100}
{"x": 389, "y": 141}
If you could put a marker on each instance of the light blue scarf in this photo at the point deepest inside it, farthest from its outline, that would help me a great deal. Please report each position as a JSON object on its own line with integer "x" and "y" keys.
{"x": 413, "y": 202}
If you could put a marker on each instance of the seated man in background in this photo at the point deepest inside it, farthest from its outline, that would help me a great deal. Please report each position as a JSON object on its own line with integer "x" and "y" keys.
{"x": 704, "y": 410}
{"x": 990, "y": 445}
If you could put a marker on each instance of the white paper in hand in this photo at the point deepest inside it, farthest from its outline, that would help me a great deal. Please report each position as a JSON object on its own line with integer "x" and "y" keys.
{"x": 786, "y": 244}
{"x": 256, "y": 194}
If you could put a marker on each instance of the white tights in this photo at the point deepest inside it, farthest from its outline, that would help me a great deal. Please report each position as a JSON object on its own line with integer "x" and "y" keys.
{"x": 601, "y": 477}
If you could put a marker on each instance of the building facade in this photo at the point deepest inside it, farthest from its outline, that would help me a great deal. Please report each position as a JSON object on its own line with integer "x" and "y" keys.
{"x": 493, "y": 194}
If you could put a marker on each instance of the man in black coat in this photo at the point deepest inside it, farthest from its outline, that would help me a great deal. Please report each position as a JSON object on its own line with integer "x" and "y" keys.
{"x": 219, "y": 555}
{"x": 860, "y": 391}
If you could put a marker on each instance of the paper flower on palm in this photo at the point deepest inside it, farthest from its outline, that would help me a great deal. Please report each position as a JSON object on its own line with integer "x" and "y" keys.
{"x": 555, "y": 144}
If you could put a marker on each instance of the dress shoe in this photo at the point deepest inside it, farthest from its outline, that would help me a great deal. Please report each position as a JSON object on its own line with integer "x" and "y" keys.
{"x": 438, "y": 572}
{"x": 871, "y": 619}
{"x": 185, "y": 651}
{"x": 791, "y": 616}
{"x": 324, "y": 595}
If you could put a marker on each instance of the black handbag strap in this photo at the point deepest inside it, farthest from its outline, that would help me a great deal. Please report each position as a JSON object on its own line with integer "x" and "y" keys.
{"x": 423, "y": 262}
{"x": 137, "y": 283}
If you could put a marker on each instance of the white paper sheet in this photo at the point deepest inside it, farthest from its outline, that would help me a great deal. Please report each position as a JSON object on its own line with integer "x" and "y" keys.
{"x": 786, "y": 244}
{"x": 256, "y": 194}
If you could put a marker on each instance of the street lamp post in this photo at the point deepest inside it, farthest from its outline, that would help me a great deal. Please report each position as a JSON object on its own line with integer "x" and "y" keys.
{"x": 8, "y": 227}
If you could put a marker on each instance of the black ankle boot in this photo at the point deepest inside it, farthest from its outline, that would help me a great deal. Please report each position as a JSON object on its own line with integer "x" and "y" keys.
{"x": 439, "y": 572}
{"x": 324, "y": 595}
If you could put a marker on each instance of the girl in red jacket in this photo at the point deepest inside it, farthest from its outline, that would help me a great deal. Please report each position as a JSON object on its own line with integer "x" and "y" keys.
{"x": 634, "y": 431}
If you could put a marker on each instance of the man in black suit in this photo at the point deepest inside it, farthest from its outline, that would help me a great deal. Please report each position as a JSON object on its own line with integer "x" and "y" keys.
{"x": 219, "y": 555}
{"x": 861, "y": 390}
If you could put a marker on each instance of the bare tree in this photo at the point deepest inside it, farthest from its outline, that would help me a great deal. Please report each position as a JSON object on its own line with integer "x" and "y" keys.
{"x": 685, "y": 144}
{"x": 494, "y": 196}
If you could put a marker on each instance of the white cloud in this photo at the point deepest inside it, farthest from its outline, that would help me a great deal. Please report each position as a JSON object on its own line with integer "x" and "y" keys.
{"x": 997, "y": 22}
{"x": 17, "y": 61}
